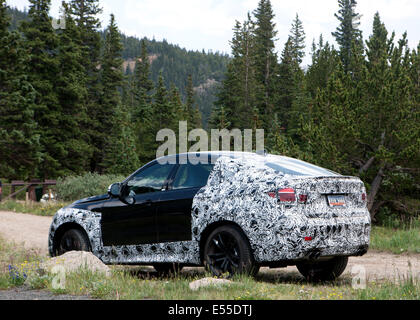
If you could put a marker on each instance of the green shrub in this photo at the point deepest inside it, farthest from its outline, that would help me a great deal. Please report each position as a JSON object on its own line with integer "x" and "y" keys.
{"x": 88, "y": 185}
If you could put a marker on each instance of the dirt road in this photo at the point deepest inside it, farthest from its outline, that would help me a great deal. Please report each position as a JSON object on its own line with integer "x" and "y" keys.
{"x": 32, "y": 231}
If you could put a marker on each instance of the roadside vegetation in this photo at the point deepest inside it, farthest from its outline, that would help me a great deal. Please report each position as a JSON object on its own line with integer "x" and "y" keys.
{"x": 73, "y": 188}
{"x": 67, "y": 190}
{"x": 397, "y": 237}
{"x": 36, "y": 208}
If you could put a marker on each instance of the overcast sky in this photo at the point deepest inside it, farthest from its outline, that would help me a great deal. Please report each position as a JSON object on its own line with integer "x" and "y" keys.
{"x": 207, "y": 24}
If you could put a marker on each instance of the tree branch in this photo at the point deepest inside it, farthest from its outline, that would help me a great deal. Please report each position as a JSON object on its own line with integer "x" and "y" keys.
{"x": 367, "y": 165}
{"x": 376, "y": 184}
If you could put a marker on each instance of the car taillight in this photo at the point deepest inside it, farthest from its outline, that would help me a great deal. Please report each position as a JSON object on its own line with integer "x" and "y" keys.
{"x": 303, "y": 198}
{"x": 287, "y": 195}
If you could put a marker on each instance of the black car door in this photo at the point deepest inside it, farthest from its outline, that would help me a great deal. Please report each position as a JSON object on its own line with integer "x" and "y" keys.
{"x": 135, "y": 224}
{"x": 174, "y": 206}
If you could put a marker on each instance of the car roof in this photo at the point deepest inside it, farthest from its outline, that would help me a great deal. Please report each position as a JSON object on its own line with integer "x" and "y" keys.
{"x": 283, "y": 164}
{"x": 215, "y": 154}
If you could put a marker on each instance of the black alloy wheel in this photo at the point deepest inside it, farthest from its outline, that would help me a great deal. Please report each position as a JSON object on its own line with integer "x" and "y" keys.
{"x": 227, "y": 251}
{"x": 73, "y": 240}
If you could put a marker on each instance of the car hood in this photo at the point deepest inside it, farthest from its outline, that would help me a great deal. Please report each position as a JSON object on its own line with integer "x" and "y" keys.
{"x": 88, "y": 200}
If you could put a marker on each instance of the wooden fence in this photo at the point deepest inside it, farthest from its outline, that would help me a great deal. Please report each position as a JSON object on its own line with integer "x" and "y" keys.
{"x": 18, "y": 187}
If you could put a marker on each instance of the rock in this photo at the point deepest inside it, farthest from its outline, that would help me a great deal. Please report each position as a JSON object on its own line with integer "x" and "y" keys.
{"x": 207, "y": 282}
{"x": 74, "y": 261}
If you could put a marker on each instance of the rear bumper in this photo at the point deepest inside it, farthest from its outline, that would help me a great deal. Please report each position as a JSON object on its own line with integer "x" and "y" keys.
{"x": 311, "y": 239}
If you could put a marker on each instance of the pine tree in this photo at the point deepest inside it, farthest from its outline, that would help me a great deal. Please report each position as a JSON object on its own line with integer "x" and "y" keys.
{"x": 227, "y": 100}
{"x": 43, "y": 67}
{"x": 331, "y": 138}
{"x": 288, "y": 69}
{"x": 192, "y": 111}
{"x": 372, "y": 125}
{"x": 121, "y": 153}
{"x": 165, "y": 116}
{"x": 377, "y": 45}
{"x": 110, "y": 100}
{"x": 71, "y": 92}
{"x": 142, "y": 84}
{"x": 19, "y": 139}
{"x": 219, "y": 119}
{"x": 179, "y": 108}
{"x": 238, "y": 94}
{"x": 299, "y": 113}
{"x": 85, "y": 13}
{"x": 265, "y": 58}
{"x": 347, "y": 32}
{"x": 162, "y": 108}
{"x": 324, "y": 61}
{"x": 298, "y": 40}
{"x": 391, "y": 132}
{"x": 142, "y": 113}
{"x": 245, "y": 56}
{"x": 279, "y": 143}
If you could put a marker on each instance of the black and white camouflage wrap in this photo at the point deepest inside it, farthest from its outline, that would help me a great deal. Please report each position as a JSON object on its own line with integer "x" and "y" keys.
{"x": 238, "y": 192}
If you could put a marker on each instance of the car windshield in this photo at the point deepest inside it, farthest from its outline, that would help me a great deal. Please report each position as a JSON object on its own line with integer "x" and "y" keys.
{"x": 295, "y": 167}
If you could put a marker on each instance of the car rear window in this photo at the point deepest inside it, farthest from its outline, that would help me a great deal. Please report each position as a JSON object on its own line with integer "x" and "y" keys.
{"x": 295, "y": 167}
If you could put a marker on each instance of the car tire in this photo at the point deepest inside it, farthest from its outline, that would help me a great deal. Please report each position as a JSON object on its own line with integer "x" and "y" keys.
{"x": 324, "y": 270}
{"x": 168, "y": 268}
{"x": 227, "y": 250}
{"x": 73, "y": 240}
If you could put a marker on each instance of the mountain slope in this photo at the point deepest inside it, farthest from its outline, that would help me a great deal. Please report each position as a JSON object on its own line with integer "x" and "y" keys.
{"x": 175, "y": 63}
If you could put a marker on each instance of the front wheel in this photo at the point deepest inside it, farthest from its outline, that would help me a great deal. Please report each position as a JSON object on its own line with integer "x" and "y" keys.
{"x": 227, "y": 251}
{"x": 73, "y": 240}
{"x": 324, "y": 270}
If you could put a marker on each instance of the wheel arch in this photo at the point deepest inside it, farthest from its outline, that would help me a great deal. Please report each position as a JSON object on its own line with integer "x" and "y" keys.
{"x": 213, "y": 226}
{"x": 62, "y": 230}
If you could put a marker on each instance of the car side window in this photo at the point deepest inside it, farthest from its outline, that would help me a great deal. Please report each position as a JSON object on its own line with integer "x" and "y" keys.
{"x": 149, "y": 180}
{"x": 192, "y": 176}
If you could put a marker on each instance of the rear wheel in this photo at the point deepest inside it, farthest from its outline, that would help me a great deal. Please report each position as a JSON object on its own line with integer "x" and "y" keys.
{"x": 227, "y": 251}
{"x": 168, "y": 268}
{"x": 73, "y": 240}
{"x": 324, "y": 270}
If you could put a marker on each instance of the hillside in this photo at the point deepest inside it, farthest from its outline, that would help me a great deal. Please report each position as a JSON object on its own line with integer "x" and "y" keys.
{"x": 175, "y": 63}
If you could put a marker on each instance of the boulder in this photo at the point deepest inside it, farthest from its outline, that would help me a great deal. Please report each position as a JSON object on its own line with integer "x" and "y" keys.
{"x": 76, "y": 260}
{"x": 208, "y": 282}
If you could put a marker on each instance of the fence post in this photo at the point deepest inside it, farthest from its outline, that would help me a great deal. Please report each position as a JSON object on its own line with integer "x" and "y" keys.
{"x": 1, "y": 191}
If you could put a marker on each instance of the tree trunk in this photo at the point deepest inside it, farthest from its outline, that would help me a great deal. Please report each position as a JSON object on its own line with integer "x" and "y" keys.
{"x": 376, "y": 184}
{"x": 367, "y": 165}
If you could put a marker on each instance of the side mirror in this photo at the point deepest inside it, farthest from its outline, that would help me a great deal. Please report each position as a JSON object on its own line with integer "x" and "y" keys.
{"x": 114, "y": 190}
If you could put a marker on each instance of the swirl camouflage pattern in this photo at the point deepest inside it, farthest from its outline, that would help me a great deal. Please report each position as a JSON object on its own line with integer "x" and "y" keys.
{"x": 242, "y": 191}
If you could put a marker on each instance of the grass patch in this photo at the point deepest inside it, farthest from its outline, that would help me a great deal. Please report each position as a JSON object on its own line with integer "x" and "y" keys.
{"x": 397, "y": 238}
{"x": 35, "y": 208}
{"x": 141, "y": 285}
{"x": 19, "y": 260}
